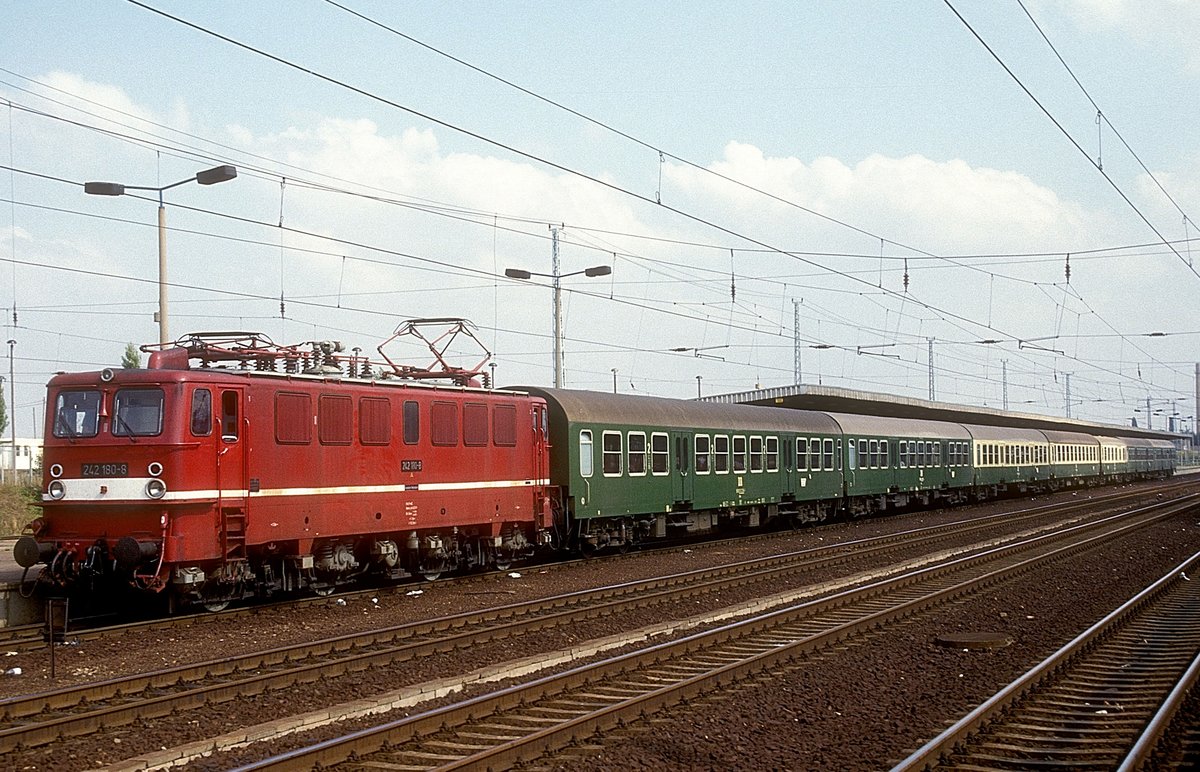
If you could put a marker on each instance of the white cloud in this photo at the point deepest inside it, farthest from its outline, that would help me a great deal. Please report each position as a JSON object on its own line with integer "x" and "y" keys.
{"x": 1171, "y": 23}
{"x": 101, "y": 94}
{"x": 929, "y": 204}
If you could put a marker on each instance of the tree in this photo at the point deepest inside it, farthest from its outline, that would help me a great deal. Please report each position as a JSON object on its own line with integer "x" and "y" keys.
{"x": 132, "y": 357}
{"x": 3, "y": 409}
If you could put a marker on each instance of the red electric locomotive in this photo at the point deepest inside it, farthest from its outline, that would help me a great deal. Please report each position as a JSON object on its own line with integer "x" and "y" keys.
{"x": 233, "y": 467}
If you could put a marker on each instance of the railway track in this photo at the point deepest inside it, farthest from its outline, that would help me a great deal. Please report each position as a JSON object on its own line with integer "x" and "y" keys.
{"x": 1104, "y": 701}
{"x": 521, "y": 724}
{"x": 44, "y": 718}
{"x": 32, "y": 636}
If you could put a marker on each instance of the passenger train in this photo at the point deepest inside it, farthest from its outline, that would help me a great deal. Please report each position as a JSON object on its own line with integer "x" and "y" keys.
{"x": 231, "y": 467}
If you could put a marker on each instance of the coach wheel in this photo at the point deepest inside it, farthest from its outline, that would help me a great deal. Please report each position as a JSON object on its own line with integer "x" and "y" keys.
{"x": 215, "y": 605}
{"x": 430, "y": 575}
{"x": 324, "y": 590}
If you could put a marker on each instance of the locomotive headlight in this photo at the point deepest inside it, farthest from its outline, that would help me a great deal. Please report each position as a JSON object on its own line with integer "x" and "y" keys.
{"x": 56, "y": 470}
{"x": 156, "y": 489}
{"x": 56, "y": 489}
{"x": 155, "y": 469}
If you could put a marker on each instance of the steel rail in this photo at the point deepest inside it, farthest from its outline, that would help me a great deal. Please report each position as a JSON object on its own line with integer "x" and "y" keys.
{"x": 1140, "y": 755}
{"x": 552, "y": 715}
{"x": 1057, "y": 668}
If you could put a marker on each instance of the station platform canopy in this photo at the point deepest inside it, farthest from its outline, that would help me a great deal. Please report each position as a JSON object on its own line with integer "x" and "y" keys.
{"x": 838, "y": 400}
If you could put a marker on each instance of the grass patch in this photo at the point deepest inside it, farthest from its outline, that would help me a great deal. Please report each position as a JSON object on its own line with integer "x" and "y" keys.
{"x": 17, "y": 508}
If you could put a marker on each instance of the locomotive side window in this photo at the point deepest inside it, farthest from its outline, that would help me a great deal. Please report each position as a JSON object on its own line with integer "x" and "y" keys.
{"x": 229, "y": 416}
{"x": 504, "y": 425}
{"x": 137, "y": 413}
{"x": 374, "y": 421}
{"x": 77, "y": 414}
{"x": 585, "y": 452}
{"x": 475, "y": 424}
{"x": 293, "y": 417}
{"x": 612, "y": 453}
{"x": 335, "y": 419}
{"x": 443, "y": 421}
{"x": 412, "y": 423}
{"x": 637, "y": 453}
{"x": 201, "y": 412}
{"x": 702, "y": 448}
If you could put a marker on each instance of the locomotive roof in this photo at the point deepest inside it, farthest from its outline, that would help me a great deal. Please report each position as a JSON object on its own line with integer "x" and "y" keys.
{"x": 852, "y": 423}
{"x": 600, "y": 407}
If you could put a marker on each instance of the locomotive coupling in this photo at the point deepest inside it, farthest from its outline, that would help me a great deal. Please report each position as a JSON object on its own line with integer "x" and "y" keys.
{"x": 28, "y": 552}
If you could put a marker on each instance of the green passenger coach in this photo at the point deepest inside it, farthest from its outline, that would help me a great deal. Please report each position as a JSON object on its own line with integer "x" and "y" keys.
{"x": 648, "y": 467}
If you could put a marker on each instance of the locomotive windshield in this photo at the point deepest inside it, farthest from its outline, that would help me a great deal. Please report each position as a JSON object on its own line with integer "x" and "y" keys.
{"x": 77, "y": 413}
{"x": 137, "y": 412}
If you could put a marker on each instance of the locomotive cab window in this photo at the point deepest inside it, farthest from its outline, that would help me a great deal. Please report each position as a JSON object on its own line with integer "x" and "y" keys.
{"x": 201, "y": 422}
{"x": 77, "y": 414}
{"x": 137, "y": 413}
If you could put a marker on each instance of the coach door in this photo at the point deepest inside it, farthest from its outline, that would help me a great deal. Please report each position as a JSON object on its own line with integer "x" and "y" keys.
{"x": 232, "y": 484}
{"x": 682, "y": 485}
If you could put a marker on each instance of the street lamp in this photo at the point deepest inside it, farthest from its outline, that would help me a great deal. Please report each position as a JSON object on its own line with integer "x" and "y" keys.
{"x": 12, "y": 409}
{"x": 595, "y": 270}
{"x": 207, "y": 177}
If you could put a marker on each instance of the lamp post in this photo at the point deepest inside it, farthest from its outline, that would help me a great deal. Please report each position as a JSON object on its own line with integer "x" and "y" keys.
{"x": 595, "y": 270}
{"x": 207, "y": 177}
{"x": 12, "y": 402}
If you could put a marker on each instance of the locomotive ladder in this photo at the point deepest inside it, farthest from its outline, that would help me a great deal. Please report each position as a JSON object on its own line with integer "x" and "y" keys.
{"x": 233, "y": 533}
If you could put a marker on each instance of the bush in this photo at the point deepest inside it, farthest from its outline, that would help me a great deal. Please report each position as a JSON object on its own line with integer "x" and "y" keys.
{"x": 17, "y": 508}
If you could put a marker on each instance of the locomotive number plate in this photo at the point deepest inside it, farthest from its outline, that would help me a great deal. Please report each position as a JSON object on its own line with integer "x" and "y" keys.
{"x": 410, "y": 465}
{"x": 104, "y": 470}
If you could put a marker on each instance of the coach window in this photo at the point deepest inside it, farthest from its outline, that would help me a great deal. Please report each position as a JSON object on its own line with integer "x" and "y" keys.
{"x": 903, "y": 454}
{"x": 636, "y": 463}
{"x": 585, "y": 452}
{"x": 739, "y": 455}
{"x": 611, "y": 451}
{"x": 873, "y": 451}
{"x": 660, "y": 453}
{"x": 827, "y": 456}
{"x": 864, "y": 454}
{"x": 801, "y": 454}
{"x": 885, "y": 454}
{"x": 756, "y": 454}
{"x": 773, "y": 454}
{"x": 229, "y": 416}
{"x": 412, "y": 423}
{"x": 201, "y": 413}
{"x": 702, "y": 449}
{"x": 721, "y": 454}
{"x": 937, "y": 453}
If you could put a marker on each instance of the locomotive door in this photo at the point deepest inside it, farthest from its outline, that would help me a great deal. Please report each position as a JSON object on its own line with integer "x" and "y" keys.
{"x": 232, "y": 484}
{"x": 682, "y": 485}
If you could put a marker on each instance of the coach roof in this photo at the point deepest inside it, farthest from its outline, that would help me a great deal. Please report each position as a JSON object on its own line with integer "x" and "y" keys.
{"x": 598, "y": 407}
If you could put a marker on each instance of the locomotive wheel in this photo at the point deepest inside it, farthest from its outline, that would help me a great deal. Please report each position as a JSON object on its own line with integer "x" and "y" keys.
{"x": 430, "y": 576}
{"x": 323, "y": 590}
{"x": 215, "y": 605}
{"x": 503, "y": 565}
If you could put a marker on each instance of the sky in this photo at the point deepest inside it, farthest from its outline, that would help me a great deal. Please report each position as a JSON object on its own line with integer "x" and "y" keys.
{"x": 1012, "y": 186}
